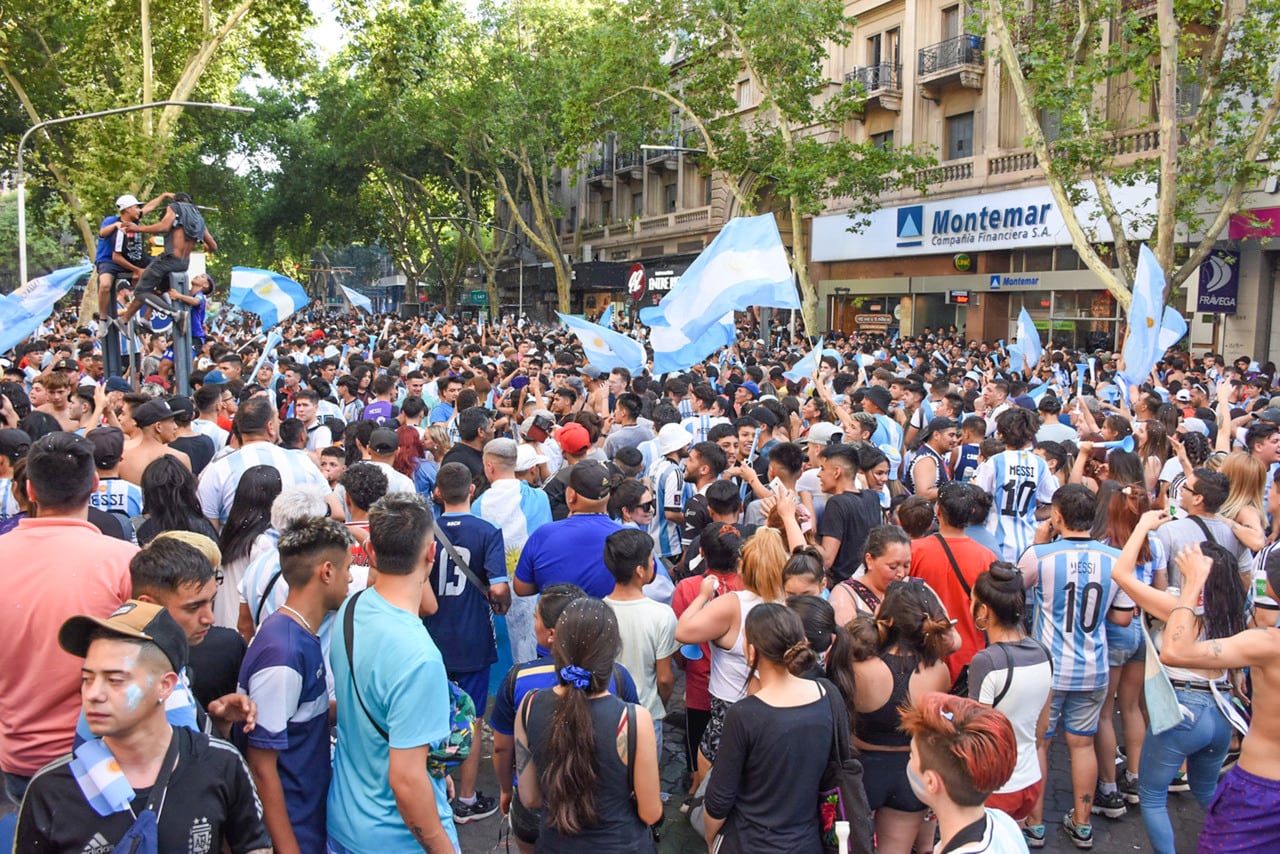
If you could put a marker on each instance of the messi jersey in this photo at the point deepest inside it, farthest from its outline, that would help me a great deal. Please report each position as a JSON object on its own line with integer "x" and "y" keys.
{"x": 1072, "y": 594}
{"x": 117, "y": 495}
{"x": 1018, "y": 482}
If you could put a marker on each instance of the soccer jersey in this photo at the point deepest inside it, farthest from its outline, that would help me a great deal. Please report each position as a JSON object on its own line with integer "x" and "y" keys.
{"x": 966, "y": 463}
{"x": 1072, "y": 592}
{"x": 699, "y": 425}
{"x": 8, "y": 504}
{"x": 284, "y": 673}
{"x": 1019, "y": 482}
{"x": 117, "y": 495}
{"x": 463, "y": 626}
{"x": 219, "y": 480}
{"x": 666, "y": 479}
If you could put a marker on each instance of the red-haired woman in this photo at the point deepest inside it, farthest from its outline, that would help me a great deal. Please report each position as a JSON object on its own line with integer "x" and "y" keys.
{"x": 961, "y": 752}
{"x": 413, "y": 461}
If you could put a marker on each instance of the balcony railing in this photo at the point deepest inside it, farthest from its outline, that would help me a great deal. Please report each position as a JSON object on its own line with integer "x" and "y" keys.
{"x": 885, "y": 76}
{"x": 953, "y": 53}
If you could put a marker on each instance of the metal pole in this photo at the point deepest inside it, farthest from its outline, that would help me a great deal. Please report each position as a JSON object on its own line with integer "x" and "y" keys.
{"x": 22, "y": 143}
{"x": 520, "y": 304}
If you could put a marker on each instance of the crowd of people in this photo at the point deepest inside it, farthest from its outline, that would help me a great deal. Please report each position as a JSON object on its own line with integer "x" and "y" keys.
{"x": 884, "y": 586}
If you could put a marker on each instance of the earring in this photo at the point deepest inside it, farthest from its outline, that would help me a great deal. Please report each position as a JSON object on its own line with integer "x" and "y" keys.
{"x": 981, "y": 623}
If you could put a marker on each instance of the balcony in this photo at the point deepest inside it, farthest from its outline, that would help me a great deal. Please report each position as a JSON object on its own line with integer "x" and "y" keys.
{"x": 667, "y": 159}
{"x": 952, "y": 170}
{"x": 882, "y": 82}
{"x": 601, "y": 172}
{"x": 632, "y": 163}
{"x": 961, "y": 60}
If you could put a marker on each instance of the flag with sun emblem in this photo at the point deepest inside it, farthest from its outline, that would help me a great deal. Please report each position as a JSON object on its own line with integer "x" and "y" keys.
{"x": 1146, "y": 311}
{"x": 604, "y": 348}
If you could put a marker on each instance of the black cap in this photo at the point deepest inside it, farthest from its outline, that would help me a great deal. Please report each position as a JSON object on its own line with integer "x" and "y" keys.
{"x": 14, "y": 443}
{"x": 133, "y": 620}
{"x": 590, "y": 479}
{"x": 152, "y": 412}
{"x": 384, "y": 441}
{"x": 108, "y": 446}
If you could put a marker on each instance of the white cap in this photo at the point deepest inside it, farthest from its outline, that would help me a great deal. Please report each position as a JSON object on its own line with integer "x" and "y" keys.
{"x": 672, "y": 438}
{"x": 128, "y": 200}
{"x": 823, "y": 433}
{"x": 527, "y": 458}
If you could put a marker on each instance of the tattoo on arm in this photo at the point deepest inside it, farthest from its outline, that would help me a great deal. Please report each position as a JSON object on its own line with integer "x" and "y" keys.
{"x": 419, "y": 834}
{"x": 523, "y": 756}
{"x": 1215, "y": 648}
{"x": 1179, "y": 632}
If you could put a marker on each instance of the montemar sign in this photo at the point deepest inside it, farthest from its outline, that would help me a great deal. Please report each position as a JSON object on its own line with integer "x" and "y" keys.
{"x": 1013, "y": 219}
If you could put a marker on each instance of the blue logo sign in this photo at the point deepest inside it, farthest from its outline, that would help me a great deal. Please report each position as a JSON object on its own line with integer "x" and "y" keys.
{"x": 995, "y": 282}
{"x": 911, "y": 226}
{"x": 1219, "y": 282}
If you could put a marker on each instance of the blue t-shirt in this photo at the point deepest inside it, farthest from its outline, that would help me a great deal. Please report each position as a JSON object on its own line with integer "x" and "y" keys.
{"x": 380, "y": 412}
{"x": 106, "y": 245}
{"x": 197, "y": 317}
{"x": 570, "y": 550}
{"x": 405, "y": 688}
{"x": 283, "y": 672}
{"x": 441, "y": 412}
{"x": 463, "y": 626}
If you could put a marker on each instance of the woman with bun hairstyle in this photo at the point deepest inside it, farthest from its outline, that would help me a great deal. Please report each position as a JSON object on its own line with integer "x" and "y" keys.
{"x": 787, "y": 724}
{"x": 830, "y": 641}
{"x": 899, "y": 654}
{"x": 571, "y": 746}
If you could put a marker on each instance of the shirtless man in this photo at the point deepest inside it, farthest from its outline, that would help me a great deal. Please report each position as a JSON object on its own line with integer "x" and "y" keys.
{"x": 155, "y": 430}
{"x": 1246, "y": 805}
{"x": 183, "y": 227}
{"x": 54, "y": 395}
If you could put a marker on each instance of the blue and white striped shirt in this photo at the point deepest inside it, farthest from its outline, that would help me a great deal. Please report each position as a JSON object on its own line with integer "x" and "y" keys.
{"x": 666, "y": 478}
{"x": 1018, "y": 482}
{"x": 218, "y": 481}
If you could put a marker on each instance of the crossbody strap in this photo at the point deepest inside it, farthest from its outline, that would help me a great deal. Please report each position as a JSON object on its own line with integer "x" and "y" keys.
{"x": 482, "y": 586}
{"x": 1008, "y": 676}
{"x": 631, "y": 747}
{"x": 262, "y": 602}
{"x": 1204, "y": 529}
{"x": 348, "y": 629}
{"x": 955, "y": 567}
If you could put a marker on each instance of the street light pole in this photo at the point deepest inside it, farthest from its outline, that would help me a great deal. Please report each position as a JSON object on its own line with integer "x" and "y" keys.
{"x": 22, "y": 144}
{"x": 492, "y": 227}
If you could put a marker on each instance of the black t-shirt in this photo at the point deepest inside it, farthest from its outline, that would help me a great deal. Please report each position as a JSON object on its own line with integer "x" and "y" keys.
{"x": 849, "y": 517}
{"x": 697, "y": 515}
{"x": 148, "y": 528}
{"x": 210, "y": 800}
{"x": 215, "y": 664}
{"x": 198, "y": 448}
{"x": 473, "y": 460}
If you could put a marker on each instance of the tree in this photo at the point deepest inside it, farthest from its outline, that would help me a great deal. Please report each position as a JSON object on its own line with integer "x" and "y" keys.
{"x": 56, "y": 60}
{"x": 782, "y": 147}
{"x": 1201, "y": 75}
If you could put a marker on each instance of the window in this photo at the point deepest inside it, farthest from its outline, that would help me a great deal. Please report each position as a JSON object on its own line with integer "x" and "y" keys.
{"x": 706, "y": 190}
{"x": 637, "y": 204}
{"x": 573, "y": 218}
{"x": 951, "y": 21}
{"x": 1051, "y": 124}
{"x": 669, "y": 197}
{"x": 874, "y": 45}
{"x": 960, "y": 136}
{"x": 893, "y": 46}
{"x": 744, "y": 94}
{"x": 606, "y": 210}
{"x": 883, "y": 141}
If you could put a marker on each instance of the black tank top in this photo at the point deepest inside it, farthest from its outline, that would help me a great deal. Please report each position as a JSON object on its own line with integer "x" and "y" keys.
{"x": 880, "y": 728}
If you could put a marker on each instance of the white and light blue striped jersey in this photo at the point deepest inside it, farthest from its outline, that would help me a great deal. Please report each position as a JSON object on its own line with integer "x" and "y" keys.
{"x": 8, "y": 504}
{"x": 1018, "y": 482}
{"x": 117, "y": 495}
{"x": 218, "y": 481}
{"x": 1072, "y": 593}
{"x": 685, "y": 408}
{"x": 666, "y": 479}
{"x": 699, "y": 425}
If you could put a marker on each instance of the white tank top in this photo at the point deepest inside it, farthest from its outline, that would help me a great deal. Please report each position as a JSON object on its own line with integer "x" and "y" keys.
{"x": 729, "y": 669}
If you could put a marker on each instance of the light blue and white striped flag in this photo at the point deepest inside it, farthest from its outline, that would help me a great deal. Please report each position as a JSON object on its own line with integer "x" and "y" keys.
{"x": 1173, "y": 326}
{"x": 744, "y": 266}
{"x": 804, "y": 368}
{"x": 605, "y": 348}
{"x": 357, "y": 299}
{"x": 1142, "y": 343}
{"x": 273, "y": 341}
{"x": 22, "y": 311}
{"x": 101, "y": 781}
{"x": 1028, "y": 342}
{"x": 271, "y": 296}
{"x": 606, "y": 317}
{"x": 673, "y": 350}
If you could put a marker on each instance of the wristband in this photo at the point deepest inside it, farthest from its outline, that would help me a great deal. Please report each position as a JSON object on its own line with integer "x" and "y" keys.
{"x": 1177, "y": 608}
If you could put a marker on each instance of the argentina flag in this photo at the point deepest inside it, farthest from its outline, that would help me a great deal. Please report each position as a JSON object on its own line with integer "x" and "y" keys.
{"x": 673, "y": 350}
{"x": 1146, "y": 314}
{"x": 357, "y": 299}
{"x": 22, "y": 311}
{"x": 803, "y": 369}
{"x": 271, "y": 296}
{"x": 744, "y": 266}
{"x": 605, "y": 348}
{"x": 101, "y": 781}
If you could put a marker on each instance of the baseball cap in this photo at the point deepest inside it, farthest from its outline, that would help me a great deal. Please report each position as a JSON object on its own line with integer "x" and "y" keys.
{"x": 108, "y": 446}
{"x": 215, "y": 377}
{"x": 527, "y": 458}
{"x": 14, "y": 443}
{"x": 384, "y": 441}
{"x": 65, "y": 364}
{"x": 590, "y": 479}
{"x": 135, "y": 620}
{"x": 764, "y": 416}
{"x": 1272, "y": 414}
{"x": 573, "y": 438}
{"x": 184, "y": 407}
{"x": 1183, "y": 396}
{"x": 1196, "y": 425}
{"x": 591, "y": 372}
{"x": 128, "y": 200}
{"x": 117, "y": 384}
{"x": 152, "y": 412}
{"x": 823, "y": 433}
{"x": 752, "y": 387}
{"x": 672, "y": 438}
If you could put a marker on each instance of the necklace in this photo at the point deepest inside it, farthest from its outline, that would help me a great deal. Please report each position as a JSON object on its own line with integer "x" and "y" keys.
{"x": 299, "y": 616}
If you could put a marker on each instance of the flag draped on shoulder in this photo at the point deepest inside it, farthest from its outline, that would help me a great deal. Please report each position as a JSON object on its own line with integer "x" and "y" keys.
{"x": 605, "y": 348}
{"x": 22, "y": 311}
{"x": 1146, "y": 312}
{"x": 357, "y": 299}
{"x": 271, "y": 296}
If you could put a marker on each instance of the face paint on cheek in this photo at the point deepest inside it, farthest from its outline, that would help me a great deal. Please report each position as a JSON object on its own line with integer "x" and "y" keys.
{"x": 132, "y": 697}
{"x": 917, "y": 783}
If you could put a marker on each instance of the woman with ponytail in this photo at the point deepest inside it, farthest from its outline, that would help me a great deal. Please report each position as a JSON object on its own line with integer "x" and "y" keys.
{"x": 786, "y": 725}
{"x": 899, "y": 654}
{"x": 571, "y": 746}
{"x": 830, "y": 641}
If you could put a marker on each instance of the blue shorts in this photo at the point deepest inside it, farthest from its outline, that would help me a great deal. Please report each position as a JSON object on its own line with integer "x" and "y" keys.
{"x": 476, "y": 685}
{"x": 1078, "y": 710}
{"x": 1125, "y": 644}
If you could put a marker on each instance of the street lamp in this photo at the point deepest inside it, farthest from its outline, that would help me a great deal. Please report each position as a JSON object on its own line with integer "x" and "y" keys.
{"x": 673, "y": 148}
{"x": 22, "y": 144}
{"x": 491, "y": 226}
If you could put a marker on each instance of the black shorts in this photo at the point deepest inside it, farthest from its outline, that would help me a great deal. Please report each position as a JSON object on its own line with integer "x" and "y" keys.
{"x": 155, "y": 279}
{"x": 524, "y": 821}
{"x": 884, "y": 776}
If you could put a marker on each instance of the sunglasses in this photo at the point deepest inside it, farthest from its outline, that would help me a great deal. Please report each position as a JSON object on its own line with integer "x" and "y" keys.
{"x": 646, "y": 507}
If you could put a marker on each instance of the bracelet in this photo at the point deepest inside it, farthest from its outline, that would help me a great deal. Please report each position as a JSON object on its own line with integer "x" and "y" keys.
{"x": 1177, "y": 608}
